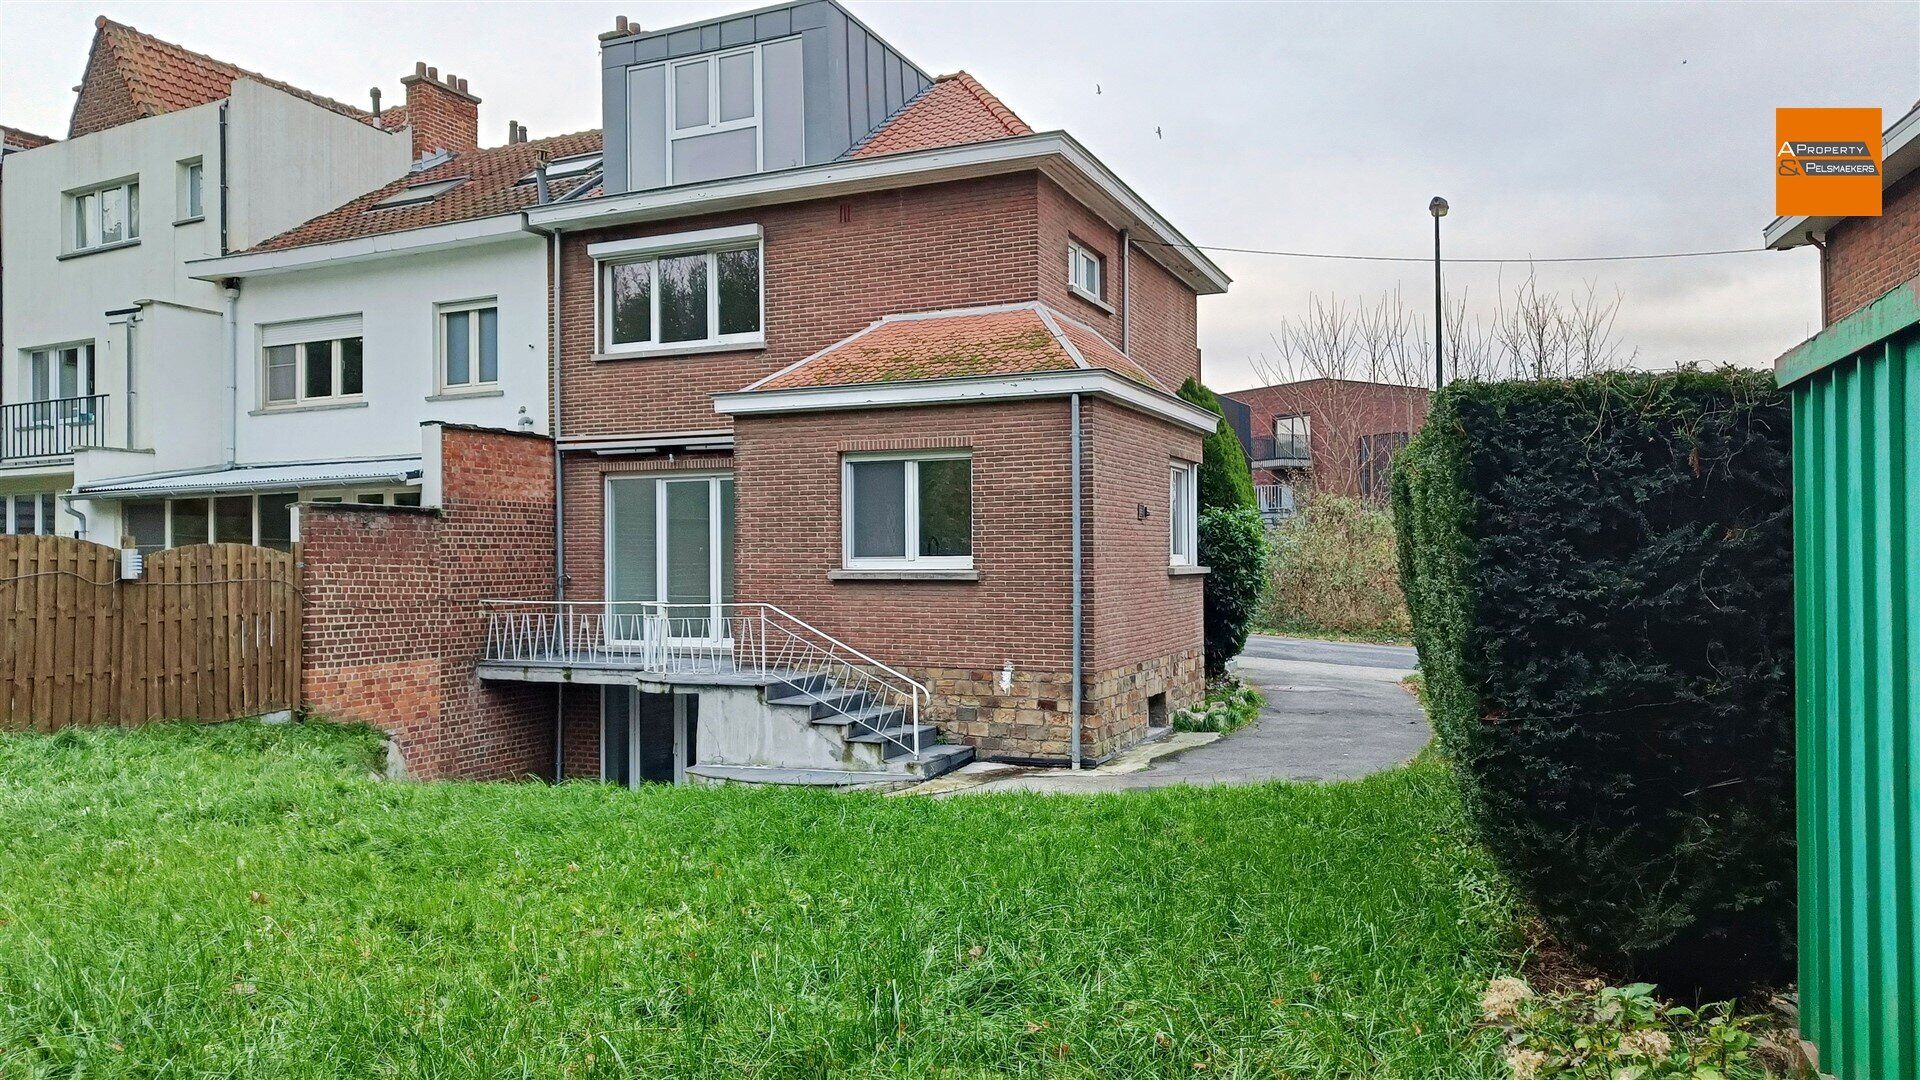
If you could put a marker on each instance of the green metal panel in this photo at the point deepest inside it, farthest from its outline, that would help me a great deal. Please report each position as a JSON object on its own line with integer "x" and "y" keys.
{"x": 1856, "y": 479}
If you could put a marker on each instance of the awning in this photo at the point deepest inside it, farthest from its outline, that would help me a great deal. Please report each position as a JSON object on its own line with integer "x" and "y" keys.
{"x": 250, "y": 478}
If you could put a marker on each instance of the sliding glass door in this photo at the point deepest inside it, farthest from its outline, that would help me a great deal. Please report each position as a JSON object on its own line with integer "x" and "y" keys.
{"x": 669, "y": 542}
{"x": 647, "y": 738}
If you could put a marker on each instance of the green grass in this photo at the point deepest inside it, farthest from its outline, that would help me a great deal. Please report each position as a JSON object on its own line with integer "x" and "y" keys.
{"x": 244, "y": 900}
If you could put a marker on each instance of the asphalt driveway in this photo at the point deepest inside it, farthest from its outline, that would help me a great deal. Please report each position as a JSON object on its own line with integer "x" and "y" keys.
{"x": 1335, "y": 711}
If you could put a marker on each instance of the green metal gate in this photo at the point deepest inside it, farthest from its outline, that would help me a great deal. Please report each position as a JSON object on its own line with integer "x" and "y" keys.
{"x": 1856, "y": 478}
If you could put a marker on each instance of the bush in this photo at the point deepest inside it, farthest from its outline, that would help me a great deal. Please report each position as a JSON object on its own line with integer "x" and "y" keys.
{"x": 1225, "y": 476}
{"x": 1603, "y": 1032}
{"x": 1600, "y": 577}
{"x": 1334, "y": 571}
{"x": 1233, "y": 547}
{"x": 1231, "y": 704}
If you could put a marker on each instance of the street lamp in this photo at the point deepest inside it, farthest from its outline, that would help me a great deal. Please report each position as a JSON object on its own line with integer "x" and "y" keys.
{"x": 1438, "y": 208}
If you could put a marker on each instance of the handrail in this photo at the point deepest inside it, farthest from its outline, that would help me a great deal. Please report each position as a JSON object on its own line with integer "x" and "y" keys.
{"x": 51, "y": 427}
{"x": 575, "y": 631}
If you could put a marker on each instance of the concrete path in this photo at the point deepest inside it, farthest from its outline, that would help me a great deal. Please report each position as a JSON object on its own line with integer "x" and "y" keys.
{"x": 1334, "y": 711}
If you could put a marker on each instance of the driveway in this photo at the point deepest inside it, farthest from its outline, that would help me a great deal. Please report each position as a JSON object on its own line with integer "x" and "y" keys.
{"x": 1335, "y": 711}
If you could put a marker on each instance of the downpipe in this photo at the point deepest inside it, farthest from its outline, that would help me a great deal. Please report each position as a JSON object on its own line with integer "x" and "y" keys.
{"x": 1078, "y": 609}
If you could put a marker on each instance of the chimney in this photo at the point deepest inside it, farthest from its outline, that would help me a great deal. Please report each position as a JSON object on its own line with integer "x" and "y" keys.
{"x": 375, "y": 92}
{"x": 444, "y": 115}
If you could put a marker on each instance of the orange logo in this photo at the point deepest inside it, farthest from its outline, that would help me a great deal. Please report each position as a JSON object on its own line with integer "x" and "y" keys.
{"x": 1827, "y": 163}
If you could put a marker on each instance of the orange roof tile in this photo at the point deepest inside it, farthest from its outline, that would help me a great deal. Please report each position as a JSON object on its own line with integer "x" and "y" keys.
{"x": 161, "y": 77}
{"x": 1015, "y": 339}
{"x": 491, "y": 185}
{"x": 22, "y": 140}
{"x": 956, "y": 109}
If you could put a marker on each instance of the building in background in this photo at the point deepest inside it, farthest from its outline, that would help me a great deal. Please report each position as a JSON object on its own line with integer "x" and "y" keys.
{"x": 1327, "y": 435}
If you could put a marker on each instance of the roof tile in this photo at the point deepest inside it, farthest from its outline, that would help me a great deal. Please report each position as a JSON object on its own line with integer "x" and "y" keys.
{"x": 492, "y": 187}
{"x": 22, "y": 140}
{"x": 1019, "y": 339}
{"x": 956, "y": 109}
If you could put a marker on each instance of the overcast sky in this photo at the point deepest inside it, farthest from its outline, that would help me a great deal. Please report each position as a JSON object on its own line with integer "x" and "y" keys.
{"x": 1554, "y": 130}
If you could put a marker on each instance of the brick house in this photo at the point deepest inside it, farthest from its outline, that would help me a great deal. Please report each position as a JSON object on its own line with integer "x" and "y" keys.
{"x": 1863, "y": 259}
{"x": 1327, "y": 435}
{"x": 828, "y": 339}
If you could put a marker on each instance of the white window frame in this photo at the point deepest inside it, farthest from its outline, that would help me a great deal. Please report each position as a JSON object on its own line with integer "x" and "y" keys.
{"x": 300, "y": 396}
{"x": 46, "y": 506}
{"x": 913, "y": 560}
{"x": 716, "y": 572}
{"x": 48, "y": 355}
{"x": 711, "y": 242}
{"x": 191, "y": 205}
{"x": 83, "y": 209}
{"x": 474, "y": 383}
{"x": 1183, "y": 514}
{"x": 1079, "y": 254}
{"x": 714, "y": 124}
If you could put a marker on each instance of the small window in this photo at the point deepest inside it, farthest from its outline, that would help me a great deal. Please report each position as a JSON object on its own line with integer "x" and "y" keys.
{"x": 28, "y": 515}
{"x": 192, "y": 205}
{"x": 469, "y": 345}
{"x": 60, "y": 372}
{"x": 105, "y": 216}
{"x": 682, "y": 299}
{"x": 415, "y": 194}
{"x": 908, "y": 511}
{"x": 564, "y": 168}
{"x": 276, "y": 520}
{"x": 1292, "y": 438}
{"x": 146, "y": 522}
{"x": 318, "y": 362}
{"x": 1086, "y": 273}
{"x": 1183, "y": 482}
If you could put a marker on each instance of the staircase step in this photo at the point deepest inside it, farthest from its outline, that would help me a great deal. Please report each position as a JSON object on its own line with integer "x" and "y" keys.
{"x": 940, "y": 759}
{"x": 825, "y": 703}
{"x": 865, "y": 720}
{"x": 799, "y": 685}
{"x": 923, "y": 737}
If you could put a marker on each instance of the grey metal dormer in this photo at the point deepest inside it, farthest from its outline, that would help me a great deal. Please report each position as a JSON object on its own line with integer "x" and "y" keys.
{"x": 775, "y": 88}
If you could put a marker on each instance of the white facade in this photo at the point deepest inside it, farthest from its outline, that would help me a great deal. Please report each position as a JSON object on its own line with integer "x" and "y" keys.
{"x": 154, "y": 394}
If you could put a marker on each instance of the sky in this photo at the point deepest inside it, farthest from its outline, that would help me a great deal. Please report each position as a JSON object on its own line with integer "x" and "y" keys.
{"x": 1553, "y": 130}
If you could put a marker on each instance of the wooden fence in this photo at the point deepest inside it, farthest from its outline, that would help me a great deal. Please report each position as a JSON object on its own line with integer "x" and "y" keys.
{"x": 208, "y": 632}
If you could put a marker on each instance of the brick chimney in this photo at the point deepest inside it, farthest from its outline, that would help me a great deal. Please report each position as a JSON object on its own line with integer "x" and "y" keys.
{"x": 443, "y": 114}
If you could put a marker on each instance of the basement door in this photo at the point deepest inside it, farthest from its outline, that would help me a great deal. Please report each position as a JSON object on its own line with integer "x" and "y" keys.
{"x": 670, "y": 542}
{"x": 647, "y": 738}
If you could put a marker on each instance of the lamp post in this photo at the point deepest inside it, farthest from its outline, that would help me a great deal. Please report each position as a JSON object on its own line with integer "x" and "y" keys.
{"x": 1438, "y": 208}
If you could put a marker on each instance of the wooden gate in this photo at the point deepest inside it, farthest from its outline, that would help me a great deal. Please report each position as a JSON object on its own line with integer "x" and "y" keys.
{"x": 208, "y": 632}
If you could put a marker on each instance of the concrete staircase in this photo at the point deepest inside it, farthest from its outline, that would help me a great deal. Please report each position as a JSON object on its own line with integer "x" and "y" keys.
{"x": 818, "y": 733}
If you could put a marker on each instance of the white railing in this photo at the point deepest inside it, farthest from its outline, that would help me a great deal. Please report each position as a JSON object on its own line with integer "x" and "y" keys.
{"x": 708, "y": 639}
{"x": 1276, "y": 500}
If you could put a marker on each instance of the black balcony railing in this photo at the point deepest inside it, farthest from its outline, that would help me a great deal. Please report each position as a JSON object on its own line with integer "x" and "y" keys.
{"x": 1290, "y": 451}
{"x": 45, "y": 429}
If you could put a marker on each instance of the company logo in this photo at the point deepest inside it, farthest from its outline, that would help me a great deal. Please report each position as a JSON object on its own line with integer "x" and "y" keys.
{"x": 1827, "y": 163}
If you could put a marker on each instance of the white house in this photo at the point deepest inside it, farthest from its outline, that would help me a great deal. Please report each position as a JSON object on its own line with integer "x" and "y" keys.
{"x": 111, "y": 356}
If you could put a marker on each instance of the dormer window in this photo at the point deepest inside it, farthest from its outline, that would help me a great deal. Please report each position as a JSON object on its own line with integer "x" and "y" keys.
{"x": 415, "y": 194}
{"x": 714, "y": 106}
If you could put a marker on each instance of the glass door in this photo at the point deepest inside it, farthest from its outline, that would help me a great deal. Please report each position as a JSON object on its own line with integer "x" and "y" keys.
{"x": 647, "y": 738}
{"x": 669, "y": 549}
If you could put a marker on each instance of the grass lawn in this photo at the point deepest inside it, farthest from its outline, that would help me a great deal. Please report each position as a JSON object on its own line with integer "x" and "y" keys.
{"x": 243, "y": 900}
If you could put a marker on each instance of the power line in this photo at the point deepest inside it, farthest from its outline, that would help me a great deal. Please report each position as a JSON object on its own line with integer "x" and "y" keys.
{"x": 1427, "y": 260}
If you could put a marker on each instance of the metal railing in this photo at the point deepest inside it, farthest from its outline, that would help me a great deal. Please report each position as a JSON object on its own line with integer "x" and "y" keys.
{"x": 708, "y": 639}
{"x": 1293, "y": 449}
{"x": 52, "y": 428}
{"x": 1276, "y": 501}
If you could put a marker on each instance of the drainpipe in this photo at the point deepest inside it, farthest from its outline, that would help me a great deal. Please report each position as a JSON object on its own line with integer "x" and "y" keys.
{"x": 223, "y": 177}
{"x": 1126, "y": 288}
{"x": 129, "y": 317}
{"x": 230, "y": 330}
{"x": 82, "y": 534}
{"x": 1078, "y": 625}
{"x": 559, "y": 488}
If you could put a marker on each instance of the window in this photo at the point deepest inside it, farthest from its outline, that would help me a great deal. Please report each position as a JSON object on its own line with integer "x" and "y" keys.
{"x": 315, "y": 362}
{"x": 713, "y": 106}
{"x": 192, "y": 205}
{"x": 157, "y": 524}
{"x": 656, "y": 295}
{"x": 106, "y": 215}
{"x": 1183, "y": 483}
{"x": 1292, "y": 438}
{"x": 908, "y": 511}
{"x": 469, "y": 345}
{"x": 28, "y": 515}
{"x": 415, "y": 194}
{"x": 60, "y": 371}
{"x": 1086, "y": 274}
{"x": 146, "y": 522}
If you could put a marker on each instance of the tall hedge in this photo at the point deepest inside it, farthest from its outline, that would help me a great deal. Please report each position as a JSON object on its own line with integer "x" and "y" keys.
{"x": 1226, "y": 478}
{"x": 1600, "y": 577}
{"x": 1232, "y": 542}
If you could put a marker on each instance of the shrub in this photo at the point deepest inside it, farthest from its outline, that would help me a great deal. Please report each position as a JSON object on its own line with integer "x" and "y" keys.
{"x": 1601, "y": 1032}
{"x": 1600, "y": 578}
{"x": 1333, "y": 570}
{"x": 1225, "y": 476}
{"x": 1233, "y": 547}
{"x": 1231, "y": 704}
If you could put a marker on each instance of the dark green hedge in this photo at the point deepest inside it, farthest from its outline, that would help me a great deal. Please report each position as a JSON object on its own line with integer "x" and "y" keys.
{"x": 1600, "y": 577}
{"x": 1233, "y": 547}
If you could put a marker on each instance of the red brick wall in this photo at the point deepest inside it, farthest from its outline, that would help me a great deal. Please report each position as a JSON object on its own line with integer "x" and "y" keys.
{"x": 1137, "y": 609}
{"x": 393, "y": 624}
{"x": 1340, "y": 413}
{"x": 1063, "y": 219}
{"x": 1868, "y": 257}
{"x": 104, "y": 100}
{"x": 1166, "y": 323}
{"x": 787, "y": 487}
{"x": 914, "y": 249}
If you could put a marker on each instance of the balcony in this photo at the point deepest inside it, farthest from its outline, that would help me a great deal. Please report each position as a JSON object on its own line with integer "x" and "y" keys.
{"x": 1276, "y": 501}
{"x": 37, "y": 430}
{"x": 1272, "y": 453}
